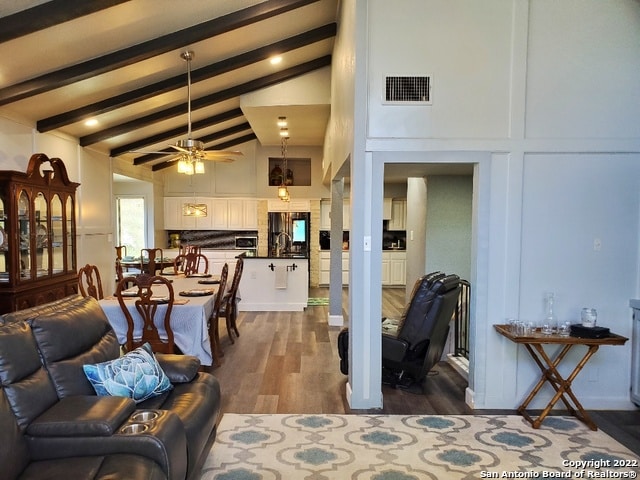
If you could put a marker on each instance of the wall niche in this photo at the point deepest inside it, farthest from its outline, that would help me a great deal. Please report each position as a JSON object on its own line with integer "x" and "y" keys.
{"x": 298, "y": 172}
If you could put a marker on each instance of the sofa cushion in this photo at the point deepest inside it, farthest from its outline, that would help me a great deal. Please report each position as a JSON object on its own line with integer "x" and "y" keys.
{"x": 136, "y": 375}
{"x": 94, "y": 341}
{"x": 109, "y": 467}
{"x": 24, "y": 381}
{"x": 83, "y": 416}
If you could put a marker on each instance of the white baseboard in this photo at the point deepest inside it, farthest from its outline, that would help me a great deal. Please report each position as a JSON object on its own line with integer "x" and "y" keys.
{"x": 460, "y": 365}
{"x": 469, "y": 398}
{"x": 336, "y": 320}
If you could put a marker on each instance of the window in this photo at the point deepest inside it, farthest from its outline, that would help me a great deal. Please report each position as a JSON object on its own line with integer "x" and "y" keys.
{"x": 130, "y": 224}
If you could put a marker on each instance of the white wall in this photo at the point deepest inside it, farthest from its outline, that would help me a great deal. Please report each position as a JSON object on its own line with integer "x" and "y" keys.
{"x": 540, "y": 95}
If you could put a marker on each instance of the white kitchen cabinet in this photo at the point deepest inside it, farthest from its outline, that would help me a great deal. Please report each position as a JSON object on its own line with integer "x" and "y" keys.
{"x": 398, "y": 215}
{"x": 398, "y": 268}
{"x": 325, "y": 215}
{"x": 249, "y": 214}
{"x": 173, "y": 213}
{"x": 297, "y": 205}
{"x": 241, "y": 214}
{"x": 217, "y": 259}
{"x": 222, "y": 214}
{"x": 174, "y": 219}
{"x": 386, "y": 208}
{"x": 394, "y": 268}
{"x": 325, "y": 264}
{"x": 346, "y": 215}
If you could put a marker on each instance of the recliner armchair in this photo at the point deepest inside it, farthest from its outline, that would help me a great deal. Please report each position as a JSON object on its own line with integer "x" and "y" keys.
{"x": 410, "y": 352}
{"x": 412, "y": 345}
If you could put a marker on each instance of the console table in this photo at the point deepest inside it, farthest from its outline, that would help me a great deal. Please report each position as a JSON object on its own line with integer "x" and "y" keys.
{"x": 549, "y": 367}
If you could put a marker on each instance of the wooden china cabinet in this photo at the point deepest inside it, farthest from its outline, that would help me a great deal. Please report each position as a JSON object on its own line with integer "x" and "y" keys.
{"x": 37, "y": 234}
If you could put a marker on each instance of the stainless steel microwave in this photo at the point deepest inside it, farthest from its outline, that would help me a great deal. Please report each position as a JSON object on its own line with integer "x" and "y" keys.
{"x": 246, "y": 243}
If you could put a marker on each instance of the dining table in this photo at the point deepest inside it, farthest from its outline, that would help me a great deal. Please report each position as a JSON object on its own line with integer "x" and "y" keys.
{"x": 194, "y": 299}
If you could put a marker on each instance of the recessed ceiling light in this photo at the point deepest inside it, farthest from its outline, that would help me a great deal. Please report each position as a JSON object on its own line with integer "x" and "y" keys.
{"x": 92, "y": 122}
{"x": 276, "y": 60}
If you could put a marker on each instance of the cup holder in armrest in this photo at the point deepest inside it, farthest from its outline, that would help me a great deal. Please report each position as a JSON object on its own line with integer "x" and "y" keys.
{"x": 144, "y": 416}
{"x": 133, "y": 428}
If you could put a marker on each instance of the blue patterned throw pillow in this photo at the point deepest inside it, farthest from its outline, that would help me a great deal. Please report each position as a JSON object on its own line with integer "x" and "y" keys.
{"x": 136, "y": 375}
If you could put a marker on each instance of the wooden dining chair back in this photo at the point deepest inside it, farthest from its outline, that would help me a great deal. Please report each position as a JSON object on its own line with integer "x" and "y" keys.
{"x": 89, "y": 282}
{"x": 214, "y": 331}
{"x": 184, "y": 249}
{"x": 190, "y": 264}
{"x": 229, "y": 306}
{"x": 196, "y": 263}
{"x": 121, "y": 251}
{"x": 148, "y": 312}
{"x": 148, "y": 256}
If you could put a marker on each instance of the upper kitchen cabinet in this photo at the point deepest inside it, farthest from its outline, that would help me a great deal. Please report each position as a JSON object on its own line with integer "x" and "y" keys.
{"x": 188, "y": 213}
{"x": 387, "y": 209}
{"x": 206, "y": 213}
{"x": 398, "y": 219}
{"x": 37, "y": 234}
{"x": 299, "y": 205}
{"x": 325, "y": 215}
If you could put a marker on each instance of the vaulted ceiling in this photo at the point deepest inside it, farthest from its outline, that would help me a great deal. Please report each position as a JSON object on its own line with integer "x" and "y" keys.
{"x": 118, "y": 62}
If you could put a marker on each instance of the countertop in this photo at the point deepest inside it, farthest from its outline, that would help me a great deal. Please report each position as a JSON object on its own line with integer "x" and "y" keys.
{"x": 287, "y": 256}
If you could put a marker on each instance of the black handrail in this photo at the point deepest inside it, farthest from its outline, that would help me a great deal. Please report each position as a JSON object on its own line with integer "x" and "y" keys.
{"x": 461, "y": 321}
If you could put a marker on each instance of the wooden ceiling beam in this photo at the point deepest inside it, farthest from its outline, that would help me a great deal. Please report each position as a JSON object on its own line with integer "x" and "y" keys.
{"x": 221, "y": 146}
{"x": 151, "y": 48}
{"x": 174, "y": 132}
{"x": 213, "y": 70}
{"x": 47, "y": 15}
{"x": 206, "y": 139}
{"x": 207, "y": 100}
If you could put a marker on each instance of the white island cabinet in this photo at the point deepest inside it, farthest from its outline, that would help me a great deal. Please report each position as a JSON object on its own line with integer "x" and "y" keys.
{"x": 273, "y": 284}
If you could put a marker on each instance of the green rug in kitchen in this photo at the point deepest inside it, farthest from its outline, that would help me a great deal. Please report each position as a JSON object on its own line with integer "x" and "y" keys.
{"x": 317, "y": 301}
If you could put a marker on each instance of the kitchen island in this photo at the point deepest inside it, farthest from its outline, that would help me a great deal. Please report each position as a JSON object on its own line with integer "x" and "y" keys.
{"x": 273, "y": 284}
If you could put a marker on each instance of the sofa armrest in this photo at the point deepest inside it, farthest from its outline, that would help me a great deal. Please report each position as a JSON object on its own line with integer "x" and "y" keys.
{"x": 393, "y": 348}
{"x": 83, "y": 416}
{"x": 163, "y": 440}
{"x": 179, "y": 368}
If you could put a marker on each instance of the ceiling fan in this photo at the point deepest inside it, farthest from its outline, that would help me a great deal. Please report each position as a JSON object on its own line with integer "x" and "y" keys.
{"x": 190, "y": 152}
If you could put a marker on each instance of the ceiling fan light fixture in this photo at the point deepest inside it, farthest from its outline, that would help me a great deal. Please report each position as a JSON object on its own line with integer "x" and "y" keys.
{"x": 199, "y": 166}
{"x": 282, "y": 122}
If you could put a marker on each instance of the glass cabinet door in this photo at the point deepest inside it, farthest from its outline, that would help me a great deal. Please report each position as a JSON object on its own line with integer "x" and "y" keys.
{"x": 42, "y": 235}
{"x": 24, "y": 233}
{"x": 4, "y": 242}
{"x": 69, "y": 217}
{"x": 57, "y": 235}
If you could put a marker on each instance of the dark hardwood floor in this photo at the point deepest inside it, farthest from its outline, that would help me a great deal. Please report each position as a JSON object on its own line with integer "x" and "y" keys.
{"x": 287, "y": 362}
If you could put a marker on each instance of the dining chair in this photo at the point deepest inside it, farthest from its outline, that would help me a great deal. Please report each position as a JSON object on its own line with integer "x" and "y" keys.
{"x": 191, "y": 263}
{"x": 229, "y": 307}
{"x": 214, "y": 335}
{"x": 149, "y": 308}
{"x": 151, "y": 254}
{"x": 121, "y": 251}
{"x": 89, "y": 282}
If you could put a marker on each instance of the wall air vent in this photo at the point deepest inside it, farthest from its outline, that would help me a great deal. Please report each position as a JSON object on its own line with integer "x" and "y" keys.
{"x": 407, "y": 89}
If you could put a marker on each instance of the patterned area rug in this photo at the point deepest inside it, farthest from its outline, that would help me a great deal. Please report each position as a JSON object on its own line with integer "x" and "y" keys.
{"x": 312, "y": 302}
{"x": 382, "y": 447}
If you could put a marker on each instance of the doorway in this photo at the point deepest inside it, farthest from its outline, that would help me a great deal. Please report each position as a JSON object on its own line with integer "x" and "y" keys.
{"x": 130, "y": 223}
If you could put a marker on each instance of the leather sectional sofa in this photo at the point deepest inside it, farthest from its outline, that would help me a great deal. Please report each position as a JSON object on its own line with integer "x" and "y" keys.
{"x": 54, "y": 426}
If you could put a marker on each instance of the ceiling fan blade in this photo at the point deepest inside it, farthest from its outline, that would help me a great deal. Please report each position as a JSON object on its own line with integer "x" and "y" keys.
{"x": 220, "y": 153}
{"x": 219, "y": 159}
{"x": 149, "y": 152}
